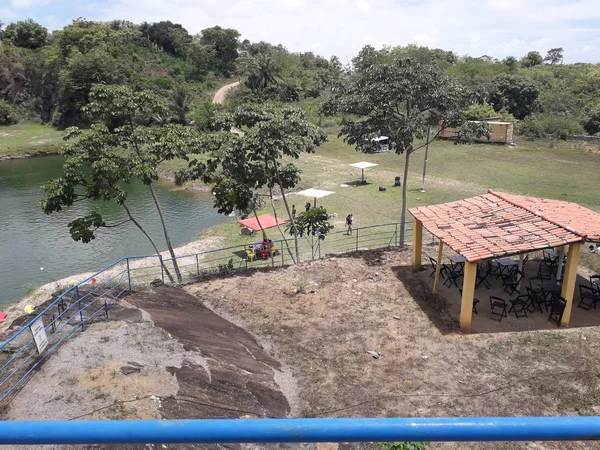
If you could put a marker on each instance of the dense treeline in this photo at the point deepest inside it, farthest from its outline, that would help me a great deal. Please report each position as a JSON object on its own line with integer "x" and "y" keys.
{"x": 48, "y": 76}
{"x": 546, "y": 97}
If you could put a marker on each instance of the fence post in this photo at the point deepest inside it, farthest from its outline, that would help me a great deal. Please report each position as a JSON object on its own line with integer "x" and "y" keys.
{"x": 79, "y": 307}
{"x": 396, "y": 233}
{"x": 162, "y": 269}
{"x": 357, "y": 239}
{"x": 198, "y": 265}
{"x": 319, "y": 244}
{"x": 128, "y": 275}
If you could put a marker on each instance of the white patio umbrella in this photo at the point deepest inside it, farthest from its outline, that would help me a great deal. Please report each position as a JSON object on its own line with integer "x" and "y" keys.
{"x": 363, "y": 165}
{"x": 315, "y": 194}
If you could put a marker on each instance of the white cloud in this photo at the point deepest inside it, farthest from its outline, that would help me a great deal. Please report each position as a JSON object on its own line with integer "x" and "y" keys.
{"x": 363, "y": 6}
{"x": 24, "y": 4}
{"x": 494, "y": 27}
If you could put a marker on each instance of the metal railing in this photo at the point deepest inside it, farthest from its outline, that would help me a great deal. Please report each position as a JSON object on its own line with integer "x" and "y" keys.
{"x": 90, "y": 299}
{"x": 442, "y": 429}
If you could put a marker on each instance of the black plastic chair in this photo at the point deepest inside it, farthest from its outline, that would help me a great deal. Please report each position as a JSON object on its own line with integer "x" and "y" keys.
{"x": 482, "y": 276}
{"x": 595, "y": 282}
{"x": 475, "y": 301}
{"x": 519, "y": 305}
{"x": 512, "y": 281}
{"x": 588, "y": 297}
{"x": 546, "y": 269}
{"x": 433, "y": 263}
{"x": 525, "y": 259}
{"x": 556, "y": 311}
{"x": 536, "y": 300}
{"x": 452, "y": 275}
{"x": 498, "y": 306}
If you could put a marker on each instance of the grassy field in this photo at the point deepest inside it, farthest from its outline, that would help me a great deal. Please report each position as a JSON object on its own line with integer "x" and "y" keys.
{"x": 561, "y": 170}
{"x": 553, "y": 169}
{"x": 29, "y": 139}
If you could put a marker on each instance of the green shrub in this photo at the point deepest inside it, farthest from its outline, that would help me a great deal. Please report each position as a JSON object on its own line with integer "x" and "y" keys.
{"x": 549, "y": 126}
{"x": 403, "y": 445}
{"x": 479, "y": 112}
{"x": 591, "y": 124}
{"x": 203, "y": 114}
{"x": 8, "y": 115}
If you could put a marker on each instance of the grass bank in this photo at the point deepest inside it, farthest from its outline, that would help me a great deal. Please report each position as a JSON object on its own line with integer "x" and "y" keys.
{"x": 560, "y": 170}
{"x": 28, "y": 139}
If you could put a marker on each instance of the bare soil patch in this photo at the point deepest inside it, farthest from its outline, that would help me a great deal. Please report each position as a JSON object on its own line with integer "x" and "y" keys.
{"x": 173, "y": 359}
{"x": 322, "y": 317}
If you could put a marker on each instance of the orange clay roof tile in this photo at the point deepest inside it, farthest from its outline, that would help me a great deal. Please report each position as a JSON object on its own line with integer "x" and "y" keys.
{"x": 498, "y": 224}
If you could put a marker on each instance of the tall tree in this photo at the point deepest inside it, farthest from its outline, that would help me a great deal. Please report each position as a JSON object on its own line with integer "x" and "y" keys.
{"x": 180, "y": 104}
{"x": 532, "y": 59}
{"x": 223, "y": 44}
{"x": 26, "y": 34}
{"x": 171, "y": 37}
{"x": 261, "y": 70}
{"x": 252, "y": 161}
{"x": 120, "y": 148}
{"x": 554, "y": 56}
{"x": 516, "y": 93}
{"x": 512, "y": 63}
{"x": 400, "y": 99}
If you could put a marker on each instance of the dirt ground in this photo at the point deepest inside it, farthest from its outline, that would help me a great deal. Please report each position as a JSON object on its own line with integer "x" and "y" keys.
{"x": 322, "y": 317}
{"x": 173, "y": 359}
{"x": 293, "y": 342}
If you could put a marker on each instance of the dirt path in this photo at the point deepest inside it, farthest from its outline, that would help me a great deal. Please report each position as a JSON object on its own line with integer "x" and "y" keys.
{"x": 219, "y": 97}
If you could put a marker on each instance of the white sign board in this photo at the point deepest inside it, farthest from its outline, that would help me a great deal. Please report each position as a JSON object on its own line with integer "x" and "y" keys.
{"x": 39, "y": 335}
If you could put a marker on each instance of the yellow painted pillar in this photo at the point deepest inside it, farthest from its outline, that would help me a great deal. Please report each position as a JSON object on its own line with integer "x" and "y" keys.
{"x": 438, "y": 267}
{"x": 570, "y": 280}
{"x": 417, "y": 244}
{"x": 466, "y": 305}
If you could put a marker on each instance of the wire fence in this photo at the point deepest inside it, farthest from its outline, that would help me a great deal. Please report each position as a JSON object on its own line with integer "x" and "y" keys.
{"x": 91, "y": 299}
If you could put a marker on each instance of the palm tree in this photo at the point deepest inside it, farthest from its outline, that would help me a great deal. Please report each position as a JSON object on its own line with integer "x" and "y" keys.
{"x": 261, "y": 69}
{"x": 180, "y": 104}
{"x": 268, "y": 70}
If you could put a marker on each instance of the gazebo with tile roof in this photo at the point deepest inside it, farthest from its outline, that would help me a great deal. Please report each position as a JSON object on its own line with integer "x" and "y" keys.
{"x": 496, "y": 224}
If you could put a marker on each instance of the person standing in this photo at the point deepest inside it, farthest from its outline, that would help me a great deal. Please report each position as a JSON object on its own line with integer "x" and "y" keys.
{"x": 294, "y": 212}
{"x": 349, "y": 222}
{"x": 307, "y": 206}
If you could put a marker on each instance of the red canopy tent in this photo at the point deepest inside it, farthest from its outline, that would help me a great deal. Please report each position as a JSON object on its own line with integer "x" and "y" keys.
{"x": 266, "y": 220}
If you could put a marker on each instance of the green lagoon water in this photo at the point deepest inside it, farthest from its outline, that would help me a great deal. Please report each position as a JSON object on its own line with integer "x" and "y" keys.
{"x": 29, "y": 239}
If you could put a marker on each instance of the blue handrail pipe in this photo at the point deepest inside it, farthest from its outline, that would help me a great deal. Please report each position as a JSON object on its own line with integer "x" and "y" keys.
{"x": 301, "y": 430}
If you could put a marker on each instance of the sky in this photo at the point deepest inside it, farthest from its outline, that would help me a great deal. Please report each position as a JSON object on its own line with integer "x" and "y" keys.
{"x": 497, "y": 28}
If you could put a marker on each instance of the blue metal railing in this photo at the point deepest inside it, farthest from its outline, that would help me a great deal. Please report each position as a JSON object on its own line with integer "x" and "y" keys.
{"x": 301, "y": 430}
{"x": 84, "y": 302}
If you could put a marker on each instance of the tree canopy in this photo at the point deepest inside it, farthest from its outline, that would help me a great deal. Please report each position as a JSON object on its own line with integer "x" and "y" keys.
{"x": 398, "y": 97}
{"x": 554, "y": 56}
{"x": 26, "y": 34}
{"x": 121, "y": 146}
{"x": 532, "y": 59}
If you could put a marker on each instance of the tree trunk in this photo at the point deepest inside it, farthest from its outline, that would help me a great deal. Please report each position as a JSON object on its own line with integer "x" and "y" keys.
{"x": 264, "y": 235}
{"x": 403, "y": 215}
{"x": 279, "y": 227}
{"x": 167, "y": 239}
{"x": 136, "y": 223}
{"x": 287, "y": 208}
{"x": 425, "y": 160}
